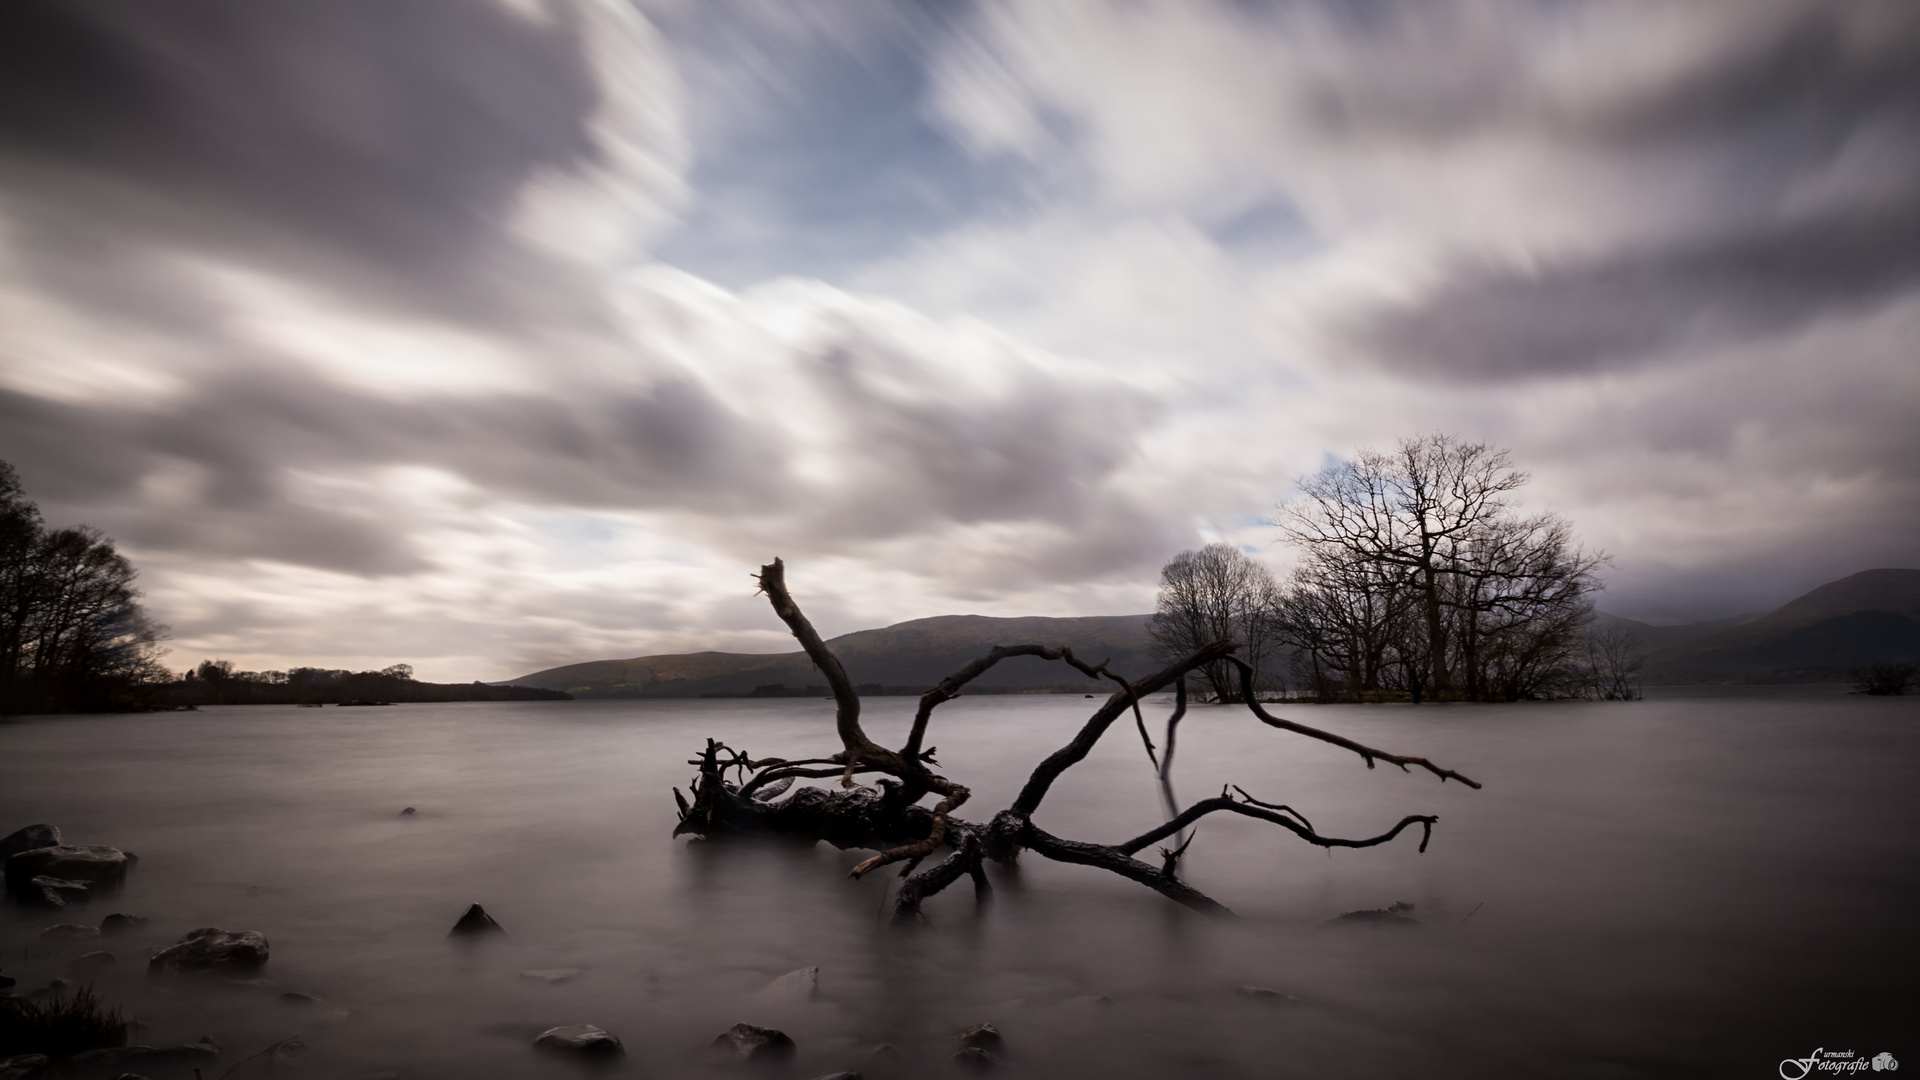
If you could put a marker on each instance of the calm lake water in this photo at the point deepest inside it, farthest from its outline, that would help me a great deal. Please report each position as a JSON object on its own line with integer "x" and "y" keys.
{"x": 1694, "y": 886}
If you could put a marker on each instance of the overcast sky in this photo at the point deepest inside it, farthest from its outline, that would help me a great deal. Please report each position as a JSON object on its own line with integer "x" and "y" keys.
{"x": 494, "y": 334}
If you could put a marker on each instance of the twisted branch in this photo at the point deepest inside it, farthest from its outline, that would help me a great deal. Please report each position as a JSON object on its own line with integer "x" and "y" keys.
{"x": 1367, "y": 753}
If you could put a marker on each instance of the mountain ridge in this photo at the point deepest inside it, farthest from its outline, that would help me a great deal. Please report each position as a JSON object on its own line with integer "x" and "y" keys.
{"x": 1819, "y": 636}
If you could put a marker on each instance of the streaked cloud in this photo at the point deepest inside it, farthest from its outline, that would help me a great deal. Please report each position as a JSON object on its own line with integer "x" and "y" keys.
{"x": 490, "y": 336}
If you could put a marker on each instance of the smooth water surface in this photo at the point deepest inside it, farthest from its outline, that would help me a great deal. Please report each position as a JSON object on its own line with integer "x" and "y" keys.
{"x": 1683, "y": 887}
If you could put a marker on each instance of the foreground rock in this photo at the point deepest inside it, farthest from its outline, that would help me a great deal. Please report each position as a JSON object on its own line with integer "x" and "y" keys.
{"x": 1394, "y": 914}
{"x": 745, "y": 1042}
{"x": 97, "y": 866}
{"x": 580, "y": 1040}
{"x": 214, "y": 950}
{"x": 800, "y": 985}
{"x": 52, "y": 892}
{"x": 22, "y": 1066}
{"x": 33, "y": 836}
{"x": 980, "y": 1048}
{"x": 93, "y": 961}
{"x": 1268, "y": 995}
{"x": 983, "y": 1037}
{"x": 476, "y": 922}
{"x": 118, "y": 923}
{"x": 975, "y": 1059}
{"x": 184, "y": 1056}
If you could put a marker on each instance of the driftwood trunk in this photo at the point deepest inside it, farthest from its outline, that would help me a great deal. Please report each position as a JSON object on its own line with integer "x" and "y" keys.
{"x": 734, "y": 794}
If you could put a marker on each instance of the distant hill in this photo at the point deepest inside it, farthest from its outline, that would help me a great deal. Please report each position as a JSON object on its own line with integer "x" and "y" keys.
{"x": 1870, "y": 617}
{"x": 1653, "y": 638}
{"x": 903, "y": 658}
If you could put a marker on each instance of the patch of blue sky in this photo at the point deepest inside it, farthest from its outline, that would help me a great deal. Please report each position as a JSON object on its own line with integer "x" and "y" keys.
{"x": 838, "y": 166}
{"x": 1271, "y": 228}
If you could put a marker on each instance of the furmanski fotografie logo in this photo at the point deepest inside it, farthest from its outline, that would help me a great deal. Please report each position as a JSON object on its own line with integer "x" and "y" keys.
{"x": 1835, "y": 1063}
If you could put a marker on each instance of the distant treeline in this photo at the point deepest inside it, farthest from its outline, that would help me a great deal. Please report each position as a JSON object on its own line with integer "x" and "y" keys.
{"x": 215, "y": 682}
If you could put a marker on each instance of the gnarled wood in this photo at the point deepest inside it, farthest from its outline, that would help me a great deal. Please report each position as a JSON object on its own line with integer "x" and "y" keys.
{"x": 887, "y": 818}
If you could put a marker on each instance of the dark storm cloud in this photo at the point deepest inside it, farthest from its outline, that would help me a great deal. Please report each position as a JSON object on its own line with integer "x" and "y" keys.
{"x": 378, "y": 144}
{"x": 1630, "y": 307}
{"x": 234, "y": 451}
{"x": 1826, "y": 97}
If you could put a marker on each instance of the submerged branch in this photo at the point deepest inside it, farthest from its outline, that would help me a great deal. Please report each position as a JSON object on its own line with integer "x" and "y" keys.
{"x": 1367, "y": 753}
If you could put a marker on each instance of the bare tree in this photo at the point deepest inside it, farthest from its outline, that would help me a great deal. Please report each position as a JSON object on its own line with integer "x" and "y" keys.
{"x": 1499, "y": 601}
{"x": 72, "y": 633}
{"x": 1216, "y": 594}
{"x": 1614, "y": 659}
{"x": 734, "y": 793}
{"x": 1346, "y": 622}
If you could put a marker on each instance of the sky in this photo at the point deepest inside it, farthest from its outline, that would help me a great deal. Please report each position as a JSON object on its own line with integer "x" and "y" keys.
{"x": 489, "y": 335}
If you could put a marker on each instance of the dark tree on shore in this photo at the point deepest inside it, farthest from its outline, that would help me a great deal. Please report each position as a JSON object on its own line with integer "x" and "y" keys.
{"x": 1418, "y": 575}
{"x": 73, "y": 636}
{"x": 736, "y": 794}
{"x": 1215, "y": 594}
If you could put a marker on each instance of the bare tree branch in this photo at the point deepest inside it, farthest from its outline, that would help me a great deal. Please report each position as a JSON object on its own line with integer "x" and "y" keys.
{"x": 1367, "y": 753}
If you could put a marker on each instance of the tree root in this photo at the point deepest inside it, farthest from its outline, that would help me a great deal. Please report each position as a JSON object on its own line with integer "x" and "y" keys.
{"x": 887, "y": 818}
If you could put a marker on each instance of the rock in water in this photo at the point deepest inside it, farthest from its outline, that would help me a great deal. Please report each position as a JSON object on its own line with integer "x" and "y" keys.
{"x": 97, "y": 866}
{"x": 583, "y": 1040}
{"x": 1392, "y": 915}
{"x": 1267, "y": 994}
{"x": 799, "y": 985}
{"x": 33, "y": 836}
{"x": 68, "y": 931}
{"x": 975, "y": 1059}
{"x": 50, "y": 892}
{"x": 117, "y": 923}
{"x": 744, "y": 1042}
{"x": 476, "y": 921}
{"x": 984, "y": 1037}
{"x": 213, "y": 949}
{"x": 182, "y": 1057}
{"x": 407, "y": 811}
{"x": 22, "y": 1066}
{"x": 94, "y": 960}
{"x": 551, "y": 976}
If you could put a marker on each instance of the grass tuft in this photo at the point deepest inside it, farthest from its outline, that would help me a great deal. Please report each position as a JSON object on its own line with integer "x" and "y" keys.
{"x": 60, "y": 1026}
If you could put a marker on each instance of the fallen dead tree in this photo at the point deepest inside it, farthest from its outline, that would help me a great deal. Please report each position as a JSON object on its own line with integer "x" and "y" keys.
{"x": 736, "y": 794}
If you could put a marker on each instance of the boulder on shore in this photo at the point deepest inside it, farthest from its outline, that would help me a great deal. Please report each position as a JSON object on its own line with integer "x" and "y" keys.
{"x": 584, "y": 1040}
{"x": 33, "y": 836}
{"x": 476, "y": 921}
{"x": 96, "y": 865}
{"x": 745, "y": 1042}
{"x": 213, "y": 949}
